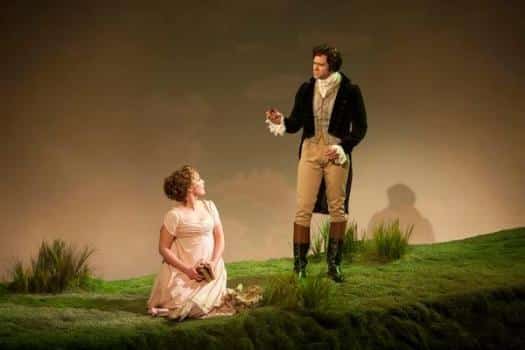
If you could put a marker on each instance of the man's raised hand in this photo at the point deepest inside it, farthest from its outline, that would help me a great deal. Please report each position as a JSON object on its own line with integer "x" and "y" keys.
{"x": 274, "y": 116}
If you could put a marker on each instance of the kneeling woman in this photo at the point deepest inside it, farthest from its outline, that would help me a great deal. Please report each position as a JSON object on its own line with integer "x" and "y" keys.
{"x": 192, "y": 279}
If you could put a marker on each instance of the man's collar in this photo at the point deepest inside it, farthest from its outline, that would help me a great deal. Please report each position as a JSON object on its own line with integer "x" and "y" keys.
{"x": 344, "y": 79}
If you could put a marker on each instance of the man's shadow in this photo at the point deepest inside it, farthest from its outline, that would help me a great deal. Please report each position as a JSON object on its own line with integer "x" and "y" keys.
{"x": 401, "y": 200}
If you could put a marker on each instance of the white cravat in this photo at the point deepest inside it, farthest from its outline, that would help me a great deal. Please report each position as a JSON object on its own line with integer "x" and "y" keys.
{"x": 328, "y": 83}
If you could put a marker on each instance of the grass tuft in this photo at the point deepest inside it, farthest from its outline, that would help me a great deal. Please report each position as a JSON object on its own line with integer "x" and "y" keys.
{"x": 287, "y": 292}
{"x": 352, "y": 244}
{"x": 56, "y": 268}
{"x": 389, "y": 241}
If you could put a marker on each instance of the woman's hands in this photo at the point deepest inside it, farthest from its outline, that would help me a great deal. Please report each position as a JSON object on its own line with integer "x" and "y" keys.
{"x": 192, "y": 273}
{"x": 212, "y": 264}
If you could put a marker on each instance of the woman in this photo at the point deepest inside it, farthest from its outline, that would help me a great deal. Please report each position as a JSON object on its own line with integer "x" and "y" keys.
{"x": 191, "y": 237}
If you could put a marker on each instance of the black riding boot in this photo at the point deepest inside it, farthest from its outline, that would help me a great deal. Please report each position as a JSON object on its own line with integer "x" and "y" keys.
{"x": 334, "y": 252}
{"x": 301, "y": 244}
{"x": 334, "y": 256}
{"x": 299, "y": 259}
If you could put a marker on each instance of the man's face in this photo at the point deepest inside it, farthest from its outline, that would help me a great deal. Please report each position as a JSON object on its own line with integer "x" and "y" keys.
{"x": 321, "y": 69}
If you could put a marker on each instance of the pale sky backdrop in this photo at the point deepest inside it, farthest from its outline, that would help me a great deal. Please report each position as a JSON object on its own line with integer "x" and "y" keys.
{"x": 101, "y": 102}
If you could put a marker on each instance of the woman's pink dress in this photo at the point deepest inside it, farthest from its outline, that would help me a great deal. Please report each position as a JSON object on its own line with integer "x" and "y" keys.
{"x": 194, "y": 240}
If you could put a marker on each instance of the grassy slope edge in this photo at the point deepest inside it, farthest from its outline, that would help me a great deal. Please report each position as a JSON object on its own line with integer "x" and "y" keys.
{"x": 470, "y": 293}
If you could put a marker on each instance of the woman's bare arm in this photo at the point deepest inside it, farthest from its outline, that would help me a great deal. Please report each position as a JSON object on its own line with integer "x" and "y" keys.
{"x": 165, "y": 242}
{"x": 218, "y": 248}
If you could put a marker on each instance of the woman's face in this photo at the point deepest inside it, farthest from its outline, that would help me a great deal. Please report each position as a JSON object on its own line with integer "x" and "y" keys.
{"x": 197, "y": 186}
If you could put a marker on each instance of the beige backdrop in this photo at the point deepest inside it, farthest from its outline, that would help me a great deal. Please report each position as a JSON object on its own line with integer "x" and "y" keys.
{"x": 101, "y": 103}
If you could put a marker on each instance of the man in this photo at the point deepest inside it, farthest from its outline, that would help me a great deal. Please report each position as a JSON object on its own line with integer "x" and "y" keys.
{"x": 331, "y": 112}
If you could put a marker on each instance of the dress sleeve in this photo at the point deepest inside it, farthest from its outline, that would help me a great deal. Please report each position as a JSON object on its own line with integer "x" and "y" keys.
{"x": 171, "y": 220}
{"x": 215, "y": 214}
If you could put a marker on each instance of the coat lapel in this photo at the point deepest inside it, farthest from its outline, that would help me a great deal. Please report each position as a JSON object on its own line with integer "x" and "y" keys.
{"x": 341, "y": 98}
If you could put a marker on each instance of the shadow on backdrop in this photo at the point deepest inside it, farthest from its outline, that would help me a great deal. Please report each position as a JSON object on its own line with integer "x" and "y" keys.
{"x": 401, "y": 200}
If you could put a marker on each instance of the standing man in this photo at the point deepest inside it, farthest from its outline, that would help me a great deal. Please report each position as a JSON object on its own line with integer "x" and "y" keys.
{"x": 330, "y": 110}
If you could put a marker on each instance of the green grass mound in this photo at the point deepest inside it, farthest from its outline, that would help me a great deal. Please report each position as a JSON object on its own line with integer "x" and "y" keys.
{"x": 467, "y": 294}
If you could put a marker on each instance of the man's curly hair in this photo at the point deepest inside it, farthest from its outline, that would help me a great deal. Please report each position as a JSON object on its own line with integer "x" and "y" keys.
{"x": 333, "y": 56}
{"x": 177, "y": 184}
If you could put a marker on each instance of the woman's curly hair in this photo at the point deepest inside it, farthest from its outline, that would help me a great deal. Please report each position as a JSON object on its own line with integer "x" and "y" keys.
{"x": 177, "y": 184}
{"x": 333, "y": 56}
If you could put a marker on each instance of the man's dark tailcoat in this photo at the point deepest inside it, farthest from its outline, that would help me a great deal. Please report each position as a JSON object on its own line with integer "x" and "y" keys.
{"x": 347, "y": 122}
